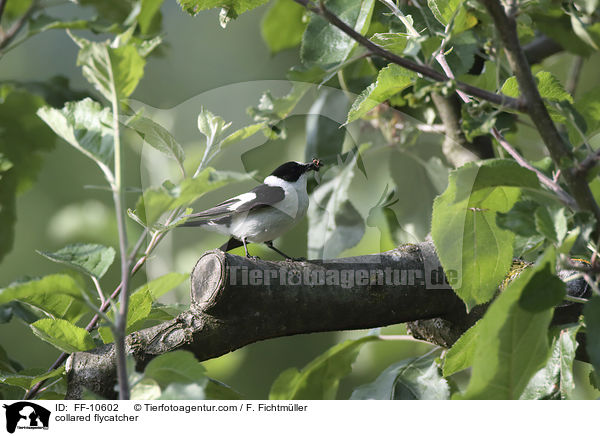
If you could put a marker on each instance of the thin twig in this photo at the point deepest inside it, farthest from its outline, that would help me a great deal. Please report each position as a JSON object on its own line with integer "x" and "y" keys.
{"x": 94, "y": 321}
{"x": 545, "y": 180}
{"x": 574, "y": 299}
{"x": 441, "y": 59}
{"x": 574, "y": 74}
{"x": 498, "y": 99}
{"x": 98, "y": 289}
{"x": 137, "y": 246}
{"x": 156, "y": 238}
{"x": 402, "y": 338}
{"x": 18, "y": 25}
{"x": 119, "y": 200}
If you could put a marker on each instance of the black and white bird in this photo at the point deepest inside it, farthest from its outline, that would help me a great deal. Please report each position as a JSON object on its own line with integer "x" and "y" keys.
{"x": 264, "y": 213}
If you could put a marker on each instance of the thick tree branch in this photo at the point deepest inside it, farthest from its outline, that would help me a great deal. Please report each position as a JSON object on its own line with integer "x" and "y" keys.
{"x": 449, "y": 111}
{"x": 541, "y": 48}
{"x": 426, "y": 71}
{"x": 237, "y": 301}
{"x": 558, "y": 149}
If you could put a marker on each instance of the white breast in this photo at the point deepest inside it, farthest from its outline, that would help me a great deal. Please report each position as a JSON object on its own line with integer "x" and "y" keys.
{"x": 268, "y": 224}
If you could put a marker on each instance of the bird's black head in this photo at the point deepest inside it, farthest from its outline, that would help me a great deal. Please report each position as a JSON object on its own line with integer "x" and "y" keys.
{"x": 291, "y": 171}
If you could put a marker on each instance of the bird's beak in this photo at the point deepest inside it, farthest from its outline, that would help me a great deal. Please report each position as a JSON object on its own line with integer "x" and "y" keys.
{"x": 315, "y": 165}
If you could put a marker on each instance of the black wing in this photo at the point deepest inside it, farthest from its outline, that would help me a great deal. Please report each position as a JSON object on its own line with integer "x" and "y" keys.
{"x": 264, "y": 196}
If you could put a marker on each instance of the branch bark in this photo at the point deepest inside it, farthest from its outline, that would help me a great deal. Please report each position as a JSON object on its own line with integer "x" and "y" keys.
{"x": 237, "y": 301}
{"x": 541, "y": 48}
{"x": 557, "y": 147}
{"x": 449, "y": 110}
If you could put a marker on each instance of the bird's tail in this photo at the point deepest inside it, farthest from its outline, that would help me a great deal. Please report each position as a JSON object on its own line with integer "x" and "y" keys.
{"x": 195, "y": 223}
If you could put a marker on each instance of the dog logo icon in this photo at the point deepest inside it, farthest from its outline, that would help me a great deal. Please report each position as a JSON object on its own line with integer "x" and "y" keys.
{"x": 26, "y": 415}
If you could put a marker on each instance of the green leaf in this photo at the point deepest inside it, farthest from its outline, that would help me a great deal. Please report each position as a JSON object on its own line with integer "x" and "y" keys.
{"x": 166, "y": 312}
{"x": 390, "y": 81}
{"x": 334, "y": 223}
{"x": 271, "y": 109}
{"x": 16, "y": 9}
{"x": 591, "y": 312}
{"x": 184, "y": 391}
{"x": 460, "y": 356}
{"x": 116, "y": 11}
{"x": 139, "y": 308}
{"x": 212, "y": 126}
{"x": 520, "y": 219}
{"x": 85, "y": 125}
{"x": 588, "y": 33}
{"x": 589, "y": 107}
{"x": 548, "y": 292}
{"x": 215, "y": 390}
{"x": 460, "y": 52}
{"x": 241, "y": 134}
{"x": 452, "y": 12}
{"x": 392, "y": 42}
{"x": 464, "y": 229}
{"x": 27, "y": 378}
{"x": 149, "y": 15}
{"x": 163, "y": 284}
{"x": 7, "y": 365}
{"x": 234, "y": 7}
{"x": 159, "y": 138}
{"x": 140, "y": 305}
{"x": 54, "y": 284}
{"x": 323, "y": 44}
{"x": 512, "y": 344}
{"x": 551, "y": 223}
{"x": 594, "y": 379}
{"x": 43, "y": 22}
{"x": 176, "y": 367}
{"x": 145, "y": 389}
{"x": 92, "y": 259}
{"x": 320, "y": 378}
{"x": 555, "y": 380}
{"x": 549, "y": 88}
{"x": 551, "y": 20}
{"x": 156, "y": 201}
{"x": 57, "y": 295}
{"x": 477, "y": 120}
{"x": 63, "y": 335}
{"x": 282, "y": 25}
{"x": 114, "y": 71}
{"x": 418, "y": 378}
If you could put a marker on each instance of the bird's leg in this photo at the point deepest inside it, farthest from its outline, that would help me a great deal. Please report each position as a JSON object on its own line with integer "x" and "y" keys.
{"x": 246, "y": 250}
{"x": 272, "y": 247}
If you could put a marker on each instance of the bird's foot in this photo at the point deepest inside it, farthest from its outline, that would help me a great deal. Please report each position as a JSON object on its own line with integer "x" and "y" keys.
{"x": 253, "y": 257}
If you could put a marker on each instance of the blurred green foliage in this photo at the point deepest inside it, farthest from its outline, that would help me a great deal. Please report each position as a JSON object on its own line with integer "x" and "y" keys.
{"x": 378, "y": 188}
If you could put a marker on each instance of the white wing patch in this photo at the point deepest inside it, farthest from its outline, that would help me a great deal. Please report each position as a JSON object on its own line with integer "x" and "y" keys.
{"x": 241, "y": 200}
